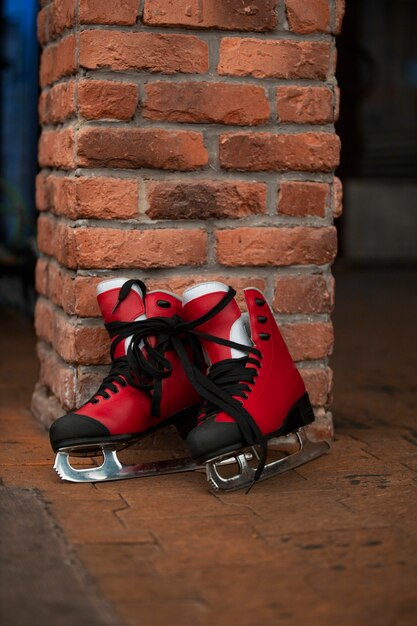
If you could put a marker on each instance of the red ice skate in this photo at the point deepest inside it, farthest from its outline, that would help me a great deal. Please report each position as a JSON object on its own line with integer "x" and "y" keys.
{"x": 127, "y": 406}
{"x": 254, "y": 391}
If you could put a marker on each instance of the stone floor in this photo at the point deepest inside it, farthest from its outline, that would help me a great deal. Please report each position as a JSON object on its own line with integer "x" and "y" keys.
{"x": 332, "y": 542}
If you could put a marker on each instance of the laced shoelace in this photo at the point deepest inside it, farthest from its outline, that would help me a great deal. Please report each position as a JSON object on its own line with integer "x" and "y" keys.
{"x": 148, "y": 365}
{"x": 119, "y": 371}
{"x": 117, "y": 374}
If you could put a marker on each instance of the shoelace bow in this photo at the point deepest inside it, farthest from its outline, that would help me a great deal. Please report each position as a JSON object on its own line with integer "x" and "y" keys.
{"x": 145, "y": 365}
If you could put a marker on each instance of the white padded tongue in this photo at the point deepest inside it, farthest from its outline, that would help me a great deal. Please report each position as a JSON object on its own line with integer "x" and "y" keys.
{"x": 238, "y": 332}
{"x": 202, "y": 290}
{"x": 116, "y": 283}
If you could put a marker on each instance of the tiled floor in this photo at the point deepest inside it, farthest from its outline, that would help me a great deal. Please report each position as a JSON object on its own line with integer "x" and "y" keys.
{"x": 332, "y": 542}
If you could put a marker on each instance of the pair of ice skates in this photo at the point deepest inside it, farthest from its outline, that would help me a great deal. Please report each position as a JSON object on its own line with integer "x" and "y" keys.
{"x": 229, "y": 388}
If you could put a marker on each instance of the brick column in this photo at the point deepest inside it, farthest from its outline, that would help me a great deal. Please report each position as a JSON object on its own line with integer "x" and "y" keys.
{"x": 184, "y": 141}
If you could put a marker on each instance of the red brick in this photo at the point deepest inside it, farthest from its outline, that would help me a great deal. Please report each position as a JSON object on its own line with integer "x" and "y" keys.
{"x": 274, "y": 58}
{"x": 58, "y": 103}
{"x": 55, "y": 18}
{"x": 56, "y": 149}
{"x": 340, "y": 11}
{"x": 336, "y": 103}
{"x": 43, "y": 320}
{"x": 204, "y": 199}
{"x": 58, "y": 60}
{"x": 62, "y": 16}
{"x": 122, "y": 12}
{"x": 202, "y": 102}
{"x": 257, "y": 152}
{"x": 96, "y": 197}
{"x": 105, "y": 99}
{"x": 140, "y": 147}
{"x": 308, "y": 340}
{"x": 57, "y": 375}
{"x": 80, "y": 295}
{"x": 43, "y": 17}
{"x": 305, "y": 105}
{"x": 303, "y": 293}
{"x": 89, "y": 379}
{"x": 319, "y": 382}
{"x": 300, "y": 198}
{"x": 153, "y": 52}
{"x": 114, "y": 248}
{"x": 276, "y": 246}
{"x": 41, "y": 197}
{"x": 56, "y": 239}
{"x": 308, "y": 17}
{"x": 41, "y": 276}
{"x": 223, "y": 14}
{"x": 44, "y": 406}
{"x": 61, "y": 287}
{"x": 337, "y": 197}
{"x": 75, "y": 343}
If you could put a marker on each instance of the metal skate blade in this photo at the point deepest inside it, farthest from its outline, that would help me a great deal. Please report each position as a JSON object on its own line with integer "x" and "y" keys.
{"x": 113, "y": 469}
{"x": 308, "y": 450}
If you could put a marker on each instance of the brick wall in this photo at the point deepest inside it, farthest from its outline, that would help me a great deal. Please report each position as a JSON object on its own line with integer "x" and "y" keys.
{"x": 185, "y": 140}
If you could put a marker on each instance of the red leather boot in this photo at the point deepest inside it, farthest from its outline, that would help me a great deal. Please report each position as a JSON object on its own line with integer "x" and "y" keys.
{"x": 125, "y": 407}
{"x": 260, "y": 393}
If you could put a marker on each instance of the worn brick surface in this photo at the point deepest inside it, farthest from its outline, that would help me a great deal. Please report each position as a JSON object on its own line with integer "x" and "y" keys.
{"x": 105, "y": 99}
{"x": 204, "y": 199}
{"x": 140, "y": 147}
{"x": 56, "y": 18}
{"x": 166, "y": 53}
{"x": 303, "y": 198}
{"x": 340, "y": 11}
{"x": 93, "y": 197}
{"x": 337, "y": 197}
{"x": 41, "y": 192}
{"x": 308, "y": 340}
{"x": 274, "y": 59}
{"x": 123, "y": 12}
{"x": 74, "y": 343}
{"x": 267, "y": 152}
{"x": 223, "y": 14}
{"x": 308, "y": 17}
{"x": 303, "y": 293}
{"x": 56, "y": 149}
{"x": 57, "y": 104}
{"x": 102, "y": 247}
{"x": 276, "y": 246}
{"x": 202, "y": 102}
{"x": 58, "y": 60}
{"x": 305, "y": 105}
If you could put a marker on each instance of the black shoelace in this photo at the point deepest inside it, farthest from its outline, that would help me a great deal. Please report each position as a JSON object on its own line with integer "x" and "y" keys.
{"x": 146, "y": 366}
{"x": 117, "y": 374}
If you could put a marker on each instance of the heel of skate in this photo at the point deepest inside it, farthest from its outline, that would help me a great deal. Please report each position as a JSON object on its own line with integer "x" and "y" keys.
{"x": 301, "y": 414}
{"x": 186, "y": 420}
{"x": 244, "y": 478}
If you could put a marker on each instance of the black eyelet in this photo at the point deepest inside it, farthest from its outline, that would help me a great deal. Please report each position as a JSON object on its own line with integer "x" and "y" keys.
{"x": 163, "y": 304}
{"x": 259, "y": 301}
{"x": 264, "y": 336}
{"x": 261, "y": 319}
